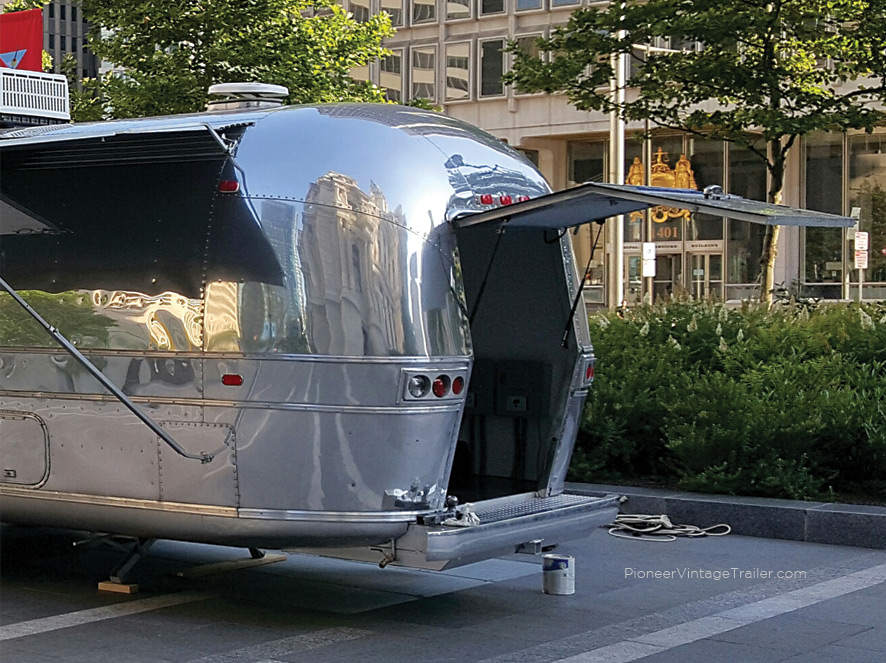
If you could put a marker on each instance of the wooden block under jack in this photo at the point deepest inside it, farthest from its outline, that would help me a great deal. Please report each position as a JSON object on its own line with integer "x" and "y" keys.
{"x": 119, "y": 587}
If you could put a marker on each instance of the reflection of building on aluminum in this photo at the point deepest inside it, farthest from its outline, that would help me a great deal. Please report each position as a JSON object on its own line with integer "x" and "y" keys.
{"x": 280, "y": 225}
{"x": 167, "y": 321}
{"x": 222, "y": 317}
{"x": 353, "y": 296}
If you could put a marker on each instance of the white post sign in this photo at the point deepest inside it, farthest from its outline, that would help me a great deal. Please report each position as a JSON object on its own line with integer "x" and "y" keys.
{"x": 861, "y": 259}
{"x": 861, "y": 250}
{"x": 648, "y": 266}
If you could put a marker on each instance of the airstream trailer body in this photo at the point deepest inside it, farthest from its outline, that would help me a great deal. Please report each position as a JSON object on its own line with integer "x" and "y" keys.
{"x": 284, "y": 294}
{"x": 305, "y": 327}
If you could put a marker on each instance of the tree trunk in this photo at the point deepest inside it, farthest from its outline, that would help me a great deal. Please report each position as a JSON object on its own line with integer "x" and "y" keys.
{"x": 767, "y": 263}
{"x": 777, "y": 154}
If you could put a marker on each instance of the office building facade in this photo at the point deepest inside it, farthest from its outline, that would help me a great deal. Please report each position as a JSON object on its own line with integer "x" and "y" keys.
{"x": 451, "y": 53}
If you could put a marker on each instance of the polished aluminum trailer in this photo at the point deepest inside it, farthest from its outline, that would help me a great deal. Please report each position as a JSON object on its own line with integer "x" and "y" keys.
{"x": 300, "y": 328}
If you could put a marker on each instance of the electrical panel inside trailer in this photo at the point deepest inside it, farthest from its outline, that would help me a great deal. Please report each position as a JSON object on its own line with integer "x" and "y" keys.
{"x": 522, "y": 389}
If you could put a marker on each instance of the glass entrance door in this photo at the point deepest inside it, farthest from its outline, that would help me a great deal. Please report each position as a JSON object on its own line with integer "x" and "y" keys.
{"x": 668, "y": 275}
{"x": 705, "y": 275}
{"x": 633, "y": 280}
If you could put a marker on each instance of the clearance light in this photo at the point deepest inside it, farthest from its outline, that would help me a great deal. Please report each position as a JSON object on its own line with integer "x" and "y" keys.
{"x": 486, "y": 199}
{"x": 441, "y": 386}
{"x": 229, "y": 186}
{"x": 505, "y": 200}
{"x": 457, "y": 385}
{"x": 522, "y": 199}
{"x": 232, "y": 380}
{"x": 589, "y": 373}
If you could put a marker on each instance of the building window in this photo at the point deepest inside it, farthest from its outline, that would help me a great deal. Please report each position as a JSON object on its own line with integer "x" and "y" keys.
{"x": 424, "y": 11}
{"x": 73, "y": 44}
{"x": 587, "y": 161}
{"x": 458, "y": 68}
{"x": 359, "y": 9}
{"x": 529, "y": 44}
{"x": 563, "y": 3}
{"x": 456, "y": 9}
{"x": 391, "y": 75}
{"x": 492, "y": 67}
{"x": 867, "y": 192}
{"x": 491, "y": 7}
{"x": 51, "y": 39}
{"x": 706, "y": 157}
{"x": 51, "y": 10}
{"x": 63, "y": 42}
{"x": 824, "y": 193}
{"x": 524, "y": 5}
{"x": 747, "y": 178}
{"x": 424, "y": 69}
{"x": 63, "y": 9}
{"x": 73, "y": 13}
{"x": 394, "y": 8}
{"x": 532, "y": 155}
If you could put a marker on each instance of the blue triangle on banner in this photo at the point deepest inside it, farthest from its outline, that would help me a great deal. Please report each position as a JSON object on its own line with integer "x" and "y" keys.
{"x": 12, "y": 58}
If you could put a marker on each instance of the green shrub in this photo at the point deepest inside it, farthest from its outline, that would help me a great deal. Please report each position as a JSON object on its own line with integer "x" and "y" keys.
{"x": 785, "y": 402}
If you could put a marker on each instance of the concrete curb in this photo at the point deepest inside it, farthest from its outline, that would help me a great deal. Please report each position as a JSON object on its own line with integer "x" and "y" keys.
{"x": 815, "y": 522}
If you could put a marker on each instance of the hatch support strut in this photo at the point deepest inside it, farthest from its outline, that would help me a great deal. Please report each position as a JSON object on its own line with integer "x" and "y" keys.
{"x": 103, "y": 379}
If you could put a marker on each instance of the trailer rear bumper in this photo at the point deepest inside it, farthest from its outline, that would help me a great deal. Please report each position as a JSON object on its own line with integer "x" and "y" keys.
{"x": 509, "y": 524}
{"x": 516, "y": 523}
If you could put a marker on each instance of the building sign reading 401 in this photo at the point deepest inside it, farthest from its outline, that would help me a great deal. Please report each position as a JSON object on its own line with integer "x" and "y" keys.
{"x": 661, "y": 174}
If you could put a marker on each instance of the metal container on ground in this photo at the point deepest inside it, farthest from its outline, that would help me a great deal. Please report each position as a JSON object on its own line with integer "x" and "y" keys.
{"x": 558, "y": 573}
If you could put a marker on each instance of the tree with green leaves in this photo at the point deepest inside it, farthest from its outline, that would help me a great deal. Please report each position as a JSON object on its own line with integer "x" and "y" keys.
{"x": 166, "y": 53}
{"x": 736, "y": 70}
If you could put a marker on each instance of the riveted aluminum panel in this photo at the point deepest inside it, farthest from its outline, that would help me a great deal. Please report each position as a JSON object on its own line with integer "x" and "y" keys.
{"x": 162, "y": 375}
{"x": 350, "y": 460}
{"x": 99, "y": 449}
{"x": 190, "y": 481}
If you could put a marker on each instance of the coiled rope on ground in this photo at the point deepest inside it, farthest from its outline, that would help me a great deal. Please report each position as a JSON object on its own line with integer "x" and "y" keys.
{"x": 659, "y": 528}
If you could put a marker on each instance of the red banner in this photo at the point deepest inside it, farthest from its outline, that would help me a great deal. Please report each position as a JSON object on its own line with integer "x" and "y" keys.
{"x": 21, "y": 40}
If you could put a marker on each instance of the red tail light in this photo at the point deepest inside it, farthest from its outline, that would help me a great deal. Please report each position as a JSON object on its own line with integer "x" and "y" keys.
{"x": 486, "y": 199}
{"x": 505, "y": 200}
{"x": 232, "y": 380}
{"x": 457, "y": 385}
{"x": 589, "y": 373}
{"x": 229, "y": 186}
{"x": 522, "y": 199}
{"x": 441, "y": 386}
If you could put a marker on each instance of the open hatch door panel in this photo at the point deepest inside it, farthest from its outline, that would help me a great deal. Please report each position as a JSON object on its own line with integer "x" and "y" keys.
{"x": 595, "y": 202}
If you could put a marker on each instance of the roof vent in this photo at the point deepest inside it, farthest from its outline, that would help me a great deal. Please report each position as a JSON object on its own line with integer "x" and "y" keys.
{"x": 245, "y": 95}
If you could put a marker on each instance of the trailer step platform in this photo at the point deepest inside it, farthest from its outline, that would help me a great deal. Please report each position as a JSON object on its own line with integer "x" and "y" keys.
{"x": 516, "y": 523}
{"x": 508, "y": 524}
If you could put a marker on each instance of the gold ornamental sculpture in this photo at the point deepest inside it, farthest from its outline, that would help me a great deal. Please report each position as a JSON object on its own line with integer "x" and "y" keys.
{"x": 678, "y": 177}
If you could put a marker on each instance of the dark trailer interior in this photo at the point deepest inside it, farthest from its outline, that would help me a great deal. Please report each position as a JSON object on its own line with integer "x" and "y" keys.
{"x": 519, "y": 287}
